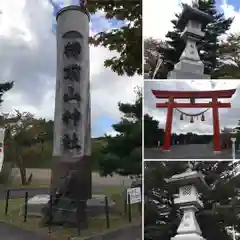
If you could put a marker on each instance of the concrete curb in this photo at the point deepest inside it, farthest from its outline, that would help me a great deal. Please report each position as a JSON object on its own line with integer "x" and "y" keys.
{"x": 112, "y": 234}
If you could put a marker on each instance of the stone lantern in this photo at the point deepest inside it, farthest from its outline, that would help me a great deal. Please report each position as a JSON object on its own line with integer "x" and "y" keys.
{"x": 192, "y": 21}
{"x": 234, "y": 133}
{"x": 189, "y": 184}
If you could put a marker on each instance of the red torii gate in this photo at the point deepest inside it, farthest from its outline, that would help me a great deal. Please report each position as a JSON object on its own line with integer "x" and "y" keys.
{"x": 214, "y": 104}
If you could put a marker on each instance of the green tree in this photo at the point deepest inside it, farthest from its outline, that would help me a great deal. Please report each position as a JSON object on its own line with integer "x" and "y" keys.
{"x": 229, "y": 52}
{"x": 152, "y": 133}
{"x": 25, "y": 144}
{"x": 123, "y": 153}
{"x": 4, "y": 87}
{"x": 221, "y": 201}
{"x": 126, "y": 40}
{"x": 208, "y": 47}
{"x": 98, "y": 144}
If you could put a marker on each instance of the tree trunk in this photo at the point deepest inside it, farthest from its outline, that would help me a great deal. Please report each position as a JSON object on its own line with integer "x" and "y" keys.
{"x": 23, "y": 174}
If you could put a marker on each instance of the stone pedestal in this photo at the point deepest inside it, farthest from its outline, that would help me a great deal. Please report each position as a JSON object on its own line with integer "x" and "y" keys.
{"x": 186, "y": 69}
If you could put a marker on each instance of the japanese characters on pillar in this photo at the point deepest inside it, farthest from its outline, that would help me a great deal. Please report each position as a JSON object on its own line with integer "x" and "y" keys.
{"x": 72, "y": 100}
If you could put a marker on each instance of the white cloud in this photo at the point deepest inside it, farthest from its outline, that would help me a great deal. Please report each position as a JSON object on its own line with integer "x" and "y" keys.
{"x": 157, "y": 16}
{"x": 12, "y": 19}
{"x": 231, "y": 11}
{"x": 28, "y": 56}
{"x": 112, "y": 133}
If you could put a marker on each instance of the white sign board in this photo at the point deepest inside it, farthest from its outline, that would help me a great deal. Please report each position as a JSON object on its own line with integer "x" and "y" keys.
{"x": 135, "y": 195}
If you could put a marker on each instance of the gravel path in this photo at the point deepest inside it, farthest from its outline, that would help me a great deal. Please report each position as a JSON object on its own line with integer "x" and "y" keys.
{"x": 191, "y": 151}
{"x": 44, "y": 176}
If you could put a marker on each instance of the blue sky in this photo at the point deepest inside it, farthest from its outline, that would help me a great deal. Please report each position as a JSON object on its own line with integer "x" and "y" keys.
{"x": 98, "y": 22}
{"x": 234, "y": 3}
{"x": 102, "y": 124}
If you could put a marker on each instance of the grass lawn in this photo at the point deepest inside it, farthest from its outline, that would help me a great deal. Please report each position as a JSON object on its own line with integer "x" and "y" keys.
{"x": 96, "y": 224}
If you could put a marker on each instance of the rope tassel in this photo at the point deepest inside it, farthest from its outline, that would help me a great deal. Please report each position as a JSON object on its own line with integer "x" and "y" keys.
{"x": 191, "y": 120}
{"x": 181, "y": 117}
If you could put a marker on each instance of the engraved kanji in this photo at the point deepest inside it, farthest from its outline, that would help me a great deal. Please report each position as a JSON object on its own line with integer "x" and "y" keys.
{"x": 70, "y": 143}
{"x": 71, "y": 95}
{"x": 73, "y": 50}
{"x": 72, "y": 72}
{"x": 75, "y": 116}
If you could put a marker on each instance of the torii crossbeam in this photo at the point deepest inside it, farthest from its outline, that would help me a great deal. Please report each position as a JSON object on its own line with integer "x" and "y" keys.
{"x": 214, "y": 104}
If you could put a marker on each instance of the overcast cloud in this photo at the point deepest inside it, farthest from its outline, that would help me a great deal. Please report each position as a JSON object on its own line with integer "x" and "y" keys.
{"x": 228, "y": 116}
{"x": 28, "y": 57}
{"x": 158, "y": 15}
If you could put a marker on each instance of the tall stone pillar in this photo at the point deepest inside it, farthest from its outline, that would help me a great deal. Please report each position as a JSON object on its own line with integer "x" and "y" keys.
{"x": 72, "y": 128}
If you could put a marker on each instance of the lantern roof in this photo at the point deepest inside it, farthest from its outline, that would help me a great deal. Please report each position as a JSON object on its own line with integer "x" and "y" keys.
{"x": 192, "y": 13}
{"x": 189, "y": 177}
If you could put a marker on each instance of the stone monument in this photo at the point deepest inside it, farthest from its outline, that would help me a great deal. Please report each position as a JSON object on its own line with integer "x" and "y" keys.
{"x": 188, "y": 201}
{"x": 191, "y": 22}
{"x": 72, "y": 130}
{"x": 71, "y": 170}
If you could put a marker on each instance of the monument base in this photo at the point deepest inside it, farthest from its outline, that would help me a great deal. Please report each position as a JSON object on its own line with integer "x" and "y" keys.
{"x": 61, "y": 168}
{"x": 71, "y": 187}
{"x": 95, "y": 207}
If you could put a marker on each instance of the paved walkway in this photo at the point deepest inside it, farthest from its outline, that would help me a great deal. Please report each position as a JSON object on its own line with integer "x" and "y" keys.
{"x": 8, "y": 232}
{"x": 191, "y": 151}
{"x": 134, "y": 235}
